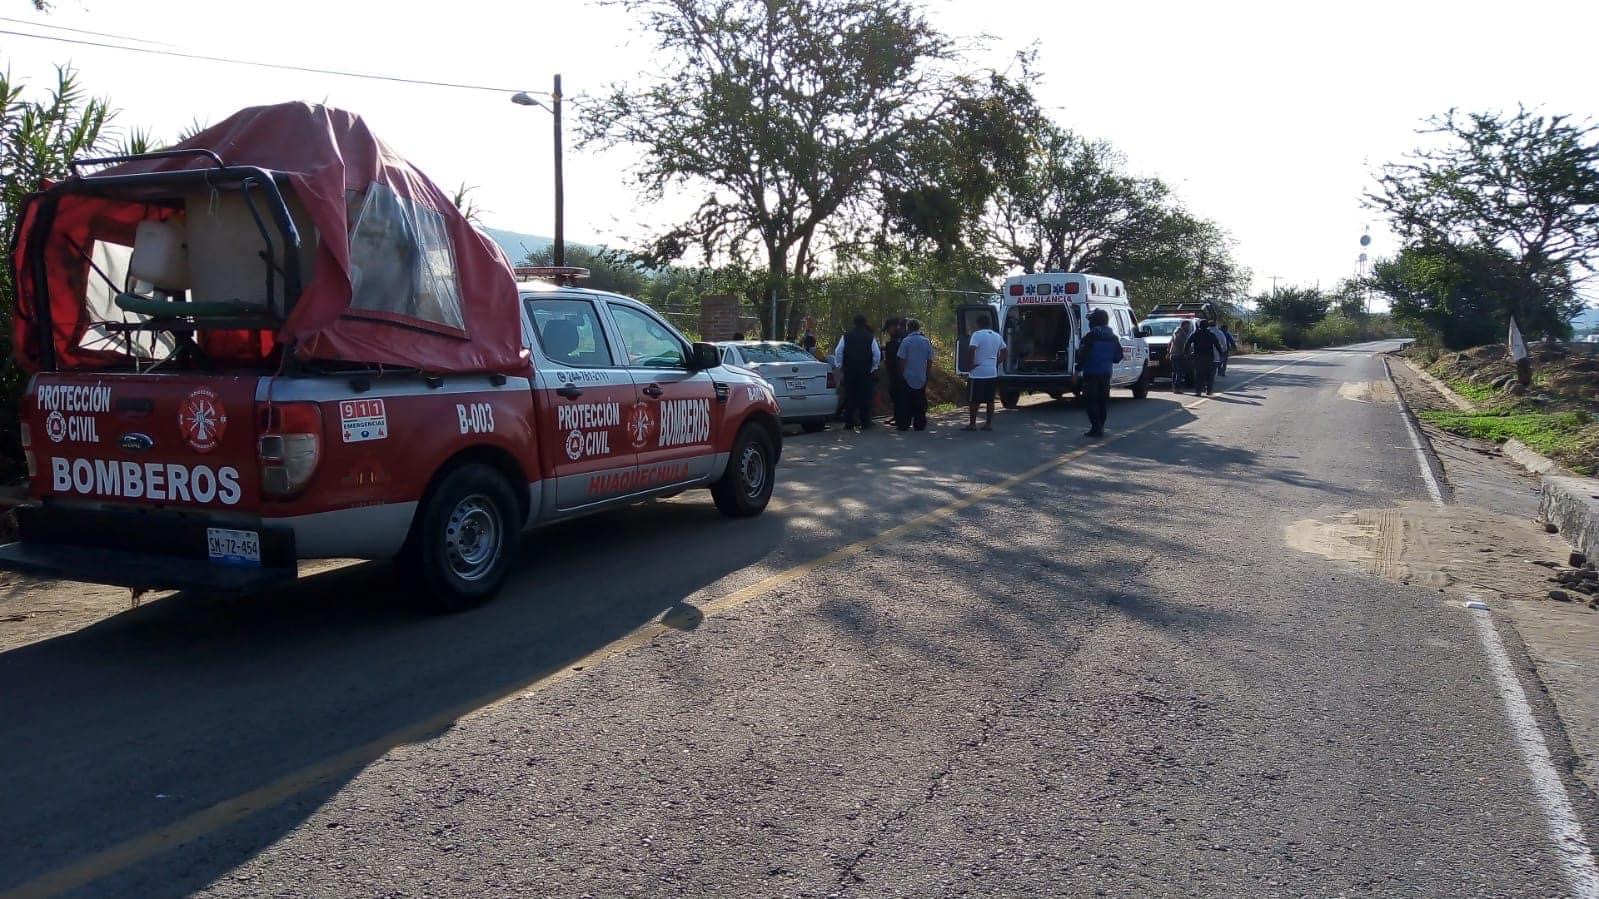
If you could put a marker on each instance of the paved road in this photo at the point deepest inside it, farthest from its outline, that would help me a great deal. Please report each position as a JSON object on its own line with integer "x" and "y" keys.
{"x": 943, "y": 664}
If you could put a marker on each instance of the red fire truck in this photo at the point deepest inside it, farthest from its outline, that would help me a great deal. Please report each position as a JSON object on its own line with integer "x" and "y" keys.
{"x": 280, "y": 341}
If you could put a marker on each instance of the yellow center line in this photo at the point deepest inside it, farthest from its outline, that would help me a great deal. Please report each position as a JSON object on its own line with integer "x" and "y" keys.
{"x": 237, "y": 808}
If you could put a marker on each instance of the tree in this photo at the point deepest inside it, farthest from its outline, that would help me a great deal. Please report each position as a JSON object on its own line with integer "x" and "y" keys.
{"x": 1451, "y": 298}
{"x": 38, "y": 138}
{"x": 1525, "y": 186}
{"x": 1349, "y": 298}
{"x": 1296, "y": 308}
{"x": 1072, "y": 208}
{"x": 781, "y": 116}
{"x": 609, "y": 270}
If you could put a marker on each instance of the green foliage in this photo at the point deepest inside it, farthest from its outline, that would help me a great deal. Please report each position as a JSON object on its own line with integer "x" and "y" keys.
{"x": 1566, "y": 436}
{"x": 1295, "y": 308}
{"x": 1507, "y": 211}
{"x": 783, "y": 115}
{"x": 462, "y": 198}
{"x": 38, "y": 138}
{"x": 1453, "y": 299}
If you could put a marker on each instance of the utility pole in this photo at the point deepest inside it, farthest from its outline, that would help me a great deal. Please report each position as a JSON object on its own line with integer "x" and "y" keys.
{"x": 523, "y": 98}
{"x": 1274, "y": 280}
{"x": 560, "y": 183}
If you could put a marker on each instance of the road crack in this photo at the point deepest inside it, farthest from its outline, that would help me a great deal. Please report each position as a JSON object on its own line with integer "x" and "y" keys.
{"x": 938, "y": 779}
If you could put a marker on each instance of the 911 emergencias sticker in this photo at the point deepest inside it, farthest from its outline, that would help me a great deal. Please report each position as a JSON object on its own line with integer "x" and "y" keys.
{"x": 363, "y": 420}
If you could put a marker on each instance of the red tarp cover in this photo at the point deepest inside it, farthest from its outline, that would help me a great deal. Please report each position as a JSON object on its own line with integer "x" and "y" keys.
{"x": 332, "y": 162}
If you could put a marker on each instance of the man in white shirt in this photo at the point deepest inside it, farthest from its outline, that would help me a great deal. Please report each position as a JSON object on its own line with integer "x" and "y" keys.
{"x": 985, "y": 353}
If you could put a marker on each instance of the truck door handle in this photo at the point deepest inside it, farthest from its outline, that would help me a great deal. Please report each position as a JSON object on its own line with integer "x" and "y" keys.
{"x": 652, "y": 391}
{"x": 569, "y": 391}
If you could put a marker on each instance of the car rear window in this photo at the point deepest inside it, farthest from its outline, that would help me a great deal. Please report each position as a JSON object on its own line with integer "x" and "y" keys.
{"x": 757, "y": 353}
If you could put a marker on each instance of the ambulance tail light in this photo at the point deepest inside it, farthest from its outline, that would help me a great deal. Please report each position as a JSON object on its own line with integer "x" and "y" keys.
{"x": 289, "y": 448}
{"x": 832, "y": 380}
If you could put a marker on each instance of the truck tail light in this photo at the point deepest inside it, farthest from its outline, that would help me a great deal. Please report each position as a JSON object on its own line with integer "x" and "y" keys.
{"x": 289, "y": 448}
{"x": 33, "y": 464}
{"x": 832, "y": 380}
{"x": 27, "y": 436}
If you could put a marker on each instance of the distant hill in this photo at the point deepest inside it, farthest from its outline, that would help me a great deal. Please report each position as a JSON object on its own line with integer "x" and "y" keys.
{"x": 517, "y": 244}
{"x": 1587, "y": 320}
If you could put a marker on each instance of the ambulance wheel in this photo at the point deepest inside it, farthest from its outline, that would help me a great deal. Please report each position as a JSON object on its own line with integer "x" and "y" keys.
{"x": 1010, "y": 398}
{"x": 462, "y": 543}
{"x": 1141, "y": 387}
{"x": 744, "y": 490}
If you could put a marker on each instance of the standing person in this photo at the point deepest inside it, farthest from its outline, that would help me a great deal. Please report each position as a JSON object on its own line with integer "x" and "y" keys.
{"x": 894, "y": 329}
{"x": 1097, "y": 356}
{"x": 985, "y": 353}
{"x": 916, "y": 363}
{"x": 1228, "y": 347}
{"x": 1202, "y": 350}
{"x": 808, "y": 339}
{"x": 1177, "y": 352}
{"x": 858, "y": 356}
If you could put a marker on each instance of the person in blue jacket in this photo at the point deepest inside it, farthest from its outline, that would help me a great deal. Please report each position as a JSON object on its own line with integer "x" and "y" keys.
{"x": 1100, "y": 350}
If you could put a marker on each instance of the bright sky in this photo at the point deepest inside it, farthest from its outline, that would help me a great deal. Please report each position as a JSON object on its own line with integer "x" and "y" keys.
{"x": 1267, "y": 117}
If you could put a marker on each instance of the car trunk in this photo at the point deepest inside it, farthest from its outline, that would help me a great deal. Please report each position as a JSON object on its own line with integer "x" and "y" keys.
{"x": 794, "y": 379}
{"x": 146, "y": 440}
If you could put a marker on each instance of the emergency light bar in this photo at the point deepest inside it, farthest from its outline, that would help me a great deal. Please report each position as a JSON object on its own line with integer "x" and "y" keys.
{"x": 564, "y": 275}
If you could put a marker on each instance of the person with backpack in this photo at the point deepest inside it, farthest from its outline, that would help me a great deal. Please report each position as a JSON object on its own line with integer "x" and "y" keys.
{"x": 857, "y": 356}
{"x": 1097, "y": 356}
{"x": 1202, "y": 349}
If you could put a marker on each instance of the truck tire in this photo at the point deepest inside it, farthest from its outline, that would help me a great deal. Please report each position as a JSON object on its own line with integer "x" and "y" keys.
{"x": 1142, "y": 385}
{"x": 463, "y": 540}
{"x": 1010, "y": 398}
{"x": 745, "y": 489}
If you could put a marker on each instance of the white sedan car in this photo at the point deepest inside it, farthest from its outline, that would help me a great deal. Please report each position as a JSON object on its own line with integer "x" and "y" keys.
{"x": 807, "y": 393}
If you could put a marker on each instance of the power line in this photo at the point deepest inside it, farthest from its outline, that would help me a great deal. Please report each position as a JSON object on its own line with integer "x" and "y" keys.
{"x": 267, "y": 65}
{"x": 134, "y": 40}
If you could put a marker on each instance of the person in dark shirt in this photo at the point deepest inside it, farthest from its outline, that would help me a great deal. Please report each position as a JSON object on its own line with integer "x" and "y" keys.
{"x": 898, "y": 393}
{"x": 1097, "y": 356}
{"x": 857, "y": 356}
{"x": 1202, "y": 349}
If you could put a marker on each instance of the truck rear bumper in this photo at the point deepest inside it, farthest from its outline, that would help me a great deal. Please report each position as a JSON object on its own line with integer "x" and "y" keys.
{"x": 142, "y": 570}
{"x": 142, "y": 549}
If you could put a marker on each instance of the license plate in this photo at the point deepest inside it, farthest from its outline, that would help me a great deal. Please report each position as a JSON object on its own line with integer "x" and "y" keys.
{"x": 229, "y": 547}
{"x": 796, "y": 383}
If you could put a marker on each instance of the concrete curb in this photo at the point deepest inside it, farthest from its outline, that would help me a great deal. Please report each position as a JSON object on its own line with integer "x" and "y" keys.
{"x": 1568, "y": 502}
{"x": 1455, "y": 399}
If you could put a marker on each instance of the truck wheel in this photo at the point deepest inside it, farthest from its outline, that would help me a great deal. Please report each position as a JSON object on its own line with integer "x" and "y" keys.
{"x": 1142, "y": 385}
{"x": 462, "y": 543}
{"x": 1010, "y": 398}
{"x": 746, "y": 487}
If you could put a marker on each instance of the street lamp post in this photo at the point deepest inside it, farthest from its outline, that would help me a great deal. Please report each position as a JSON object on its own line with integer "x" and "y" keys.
{"x": 523, "y": 98}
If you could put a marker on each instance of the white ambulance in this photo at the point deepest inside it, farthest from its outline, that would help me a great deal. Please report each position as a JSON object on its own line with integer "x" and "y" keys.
{"x": 1043, "y": 318}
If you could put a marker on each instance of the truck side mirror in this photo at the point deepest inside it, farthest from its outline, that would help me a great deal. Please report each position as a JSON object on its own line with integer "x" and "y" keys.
{"x": 704, "y": 356}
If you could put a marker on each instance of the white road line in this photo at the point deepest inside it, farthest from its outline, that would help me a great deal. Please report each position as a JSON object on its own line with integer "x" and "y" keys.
{"x": 1433, "y": 490}
{"x": 1576, "y": 859}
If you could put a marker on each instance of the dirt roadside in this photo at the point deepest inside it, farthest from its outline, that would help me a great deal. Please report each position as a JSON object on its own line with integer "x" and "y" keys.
{"x": 1490, "y": 545}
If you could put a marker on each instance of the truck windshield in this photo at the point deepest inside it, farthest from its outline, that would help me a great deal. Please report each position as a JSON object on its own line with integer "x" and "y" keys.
{"x": 1162, "y": 327}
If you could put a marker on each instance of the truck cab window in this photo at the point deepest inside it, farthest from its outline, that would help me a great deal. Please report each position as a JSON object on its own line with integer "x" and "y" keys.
{"x": 569, "y": 332}
{"x": 647, "y": 342}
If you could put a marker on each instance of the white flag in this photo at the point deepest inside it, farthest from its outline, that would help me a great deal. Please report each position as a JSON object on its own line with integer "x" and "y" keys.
{"x": 1518, "y": 347}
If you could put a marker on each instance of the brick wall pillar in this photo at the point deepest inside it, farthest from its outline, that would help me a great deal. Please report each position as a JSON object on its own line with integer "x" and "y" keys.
{"x": 719, "y": 317}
